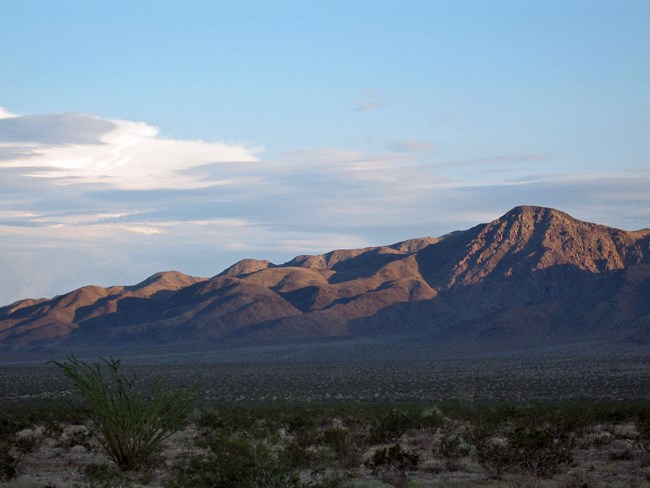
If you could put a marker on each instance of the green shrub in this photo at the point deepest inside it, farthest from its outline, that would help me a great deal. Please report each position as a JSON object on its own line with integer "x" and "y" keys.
{"x": 391, "y": 425}
{"x": 131, "y": 427}
{"x": 235, "y": 462}
{"x": 642, "y": 439}
{"x": 78, "y": 437}
{"x": 52, "y": 429}
{"x": 540, "y": 449}
{"x": 393, "y": 462}
{"x": 342, "y": 445}
{"x": 451, "y": 447}
{"x": 494, "y": 456}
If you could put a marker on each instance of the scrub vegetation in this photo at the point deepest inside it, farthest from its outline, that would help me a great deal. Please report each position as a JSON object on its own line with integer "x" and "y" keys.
{"x": 114, "y": 430}
{"x": 590, "y": 445}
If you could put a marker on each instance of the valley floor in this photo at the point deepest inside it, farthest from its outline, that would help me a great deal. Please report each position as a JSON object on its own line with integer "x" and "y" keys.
{"x": 275, "y": 377}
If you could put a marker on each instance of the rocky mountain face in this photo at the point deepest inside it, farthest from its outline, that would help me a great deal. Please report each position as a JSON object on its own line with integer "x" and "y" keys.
{"x": 535, "y": 276}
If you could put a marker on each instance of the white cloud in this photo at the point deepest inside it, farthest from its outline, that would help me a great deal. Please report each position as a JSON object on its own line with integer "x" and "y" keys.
{"x": 75, "y": 148}
{"x": 5, "y": 114}
{"x": 140, "y": 229}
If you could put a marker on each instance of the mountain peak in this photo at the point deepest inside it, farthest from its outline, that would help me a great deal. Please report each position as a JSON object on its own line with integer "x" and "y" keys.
{"x": 246, "y": 266}
{"x": 530, "y": 238}
{"x": 169, "y": 280}
{"x": 534, "y": 213}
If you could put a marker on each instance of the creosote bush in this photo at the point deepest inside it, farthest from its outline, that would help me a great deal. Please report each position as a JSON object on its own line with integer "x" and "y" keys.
{"x": 393, "y": 463}
{"x": 542, "y": 450}
{"x": 451, "y": 447}
{"x": 643, "y": 432}
{"x": 393, "y": 424}
{"x": 538, "y": 448}
{"x": 131, "y": 427}
{"x": 235, "y": 462}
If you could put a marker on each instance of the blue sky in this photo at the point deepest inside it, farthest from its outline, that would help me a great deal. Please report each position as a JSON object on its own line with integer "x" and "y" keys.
{"x": 142, "y": 136}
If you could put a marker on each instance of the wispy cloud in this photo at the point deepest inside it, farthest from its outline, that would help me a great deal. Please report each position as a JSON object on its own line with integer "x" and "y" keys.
{"x": 411, "y": 145}
{"x": 498, "y": 160}
{"x": 369, "y": 100}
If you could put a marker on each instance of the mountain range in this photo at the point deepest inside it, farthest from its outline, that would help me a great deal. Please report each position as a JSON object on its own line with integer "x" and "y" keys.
{"x": 533, "y": 277}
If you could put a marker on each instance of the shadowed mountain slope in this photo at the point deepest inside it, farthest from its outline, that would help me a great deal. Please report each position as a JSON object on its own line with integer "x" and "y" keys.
{"x": 535, "y": 276}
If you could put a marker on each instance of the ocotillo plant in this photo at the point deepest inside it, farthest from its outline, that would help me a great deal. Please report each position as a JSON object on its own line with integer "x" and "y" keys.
{"x": 131, "y": 427}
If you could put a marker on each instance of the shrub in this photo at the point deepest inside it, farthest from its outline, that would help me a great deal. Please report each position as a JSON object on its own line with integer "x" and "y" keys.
{"x": 391, "y": 425}
{"x": 131, "y": 427}
{"x": 393, "y": 463}
{"x": 539, "y": 449}
{"x": 8, "y": 464}
{"x": 451, "y": 447}
{"x": 643, "y": 432}
{"x": 80, "y": 436}
{"x": 235, "y": 462}
{"x": 342, "y": 444}
{"x": 494, "y": 456}
{"x": 52, "y": 429}
{"x": 542, "y": 450}
{"x": 625, "y": 454}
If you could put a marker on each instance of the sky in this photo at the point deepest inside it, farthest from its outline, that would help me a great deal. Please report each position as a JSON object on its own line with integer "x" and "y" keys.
{"x": 138, "y": 137}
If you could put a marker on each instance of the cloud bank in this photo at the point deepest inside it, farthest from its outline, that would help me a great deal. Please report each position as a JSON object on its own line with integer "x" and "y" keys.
{"x": 74, "y": 148}
{"x": 92, "y": 200}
